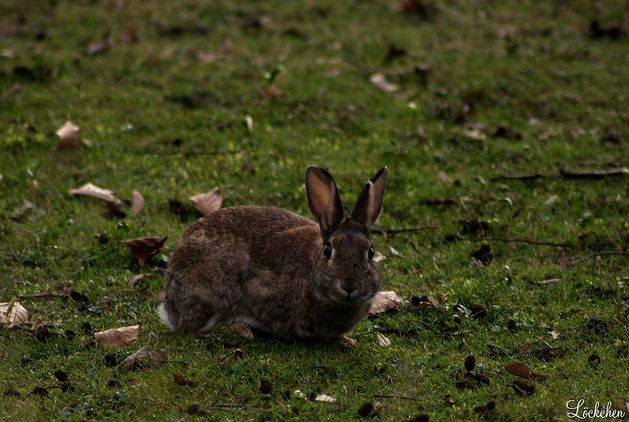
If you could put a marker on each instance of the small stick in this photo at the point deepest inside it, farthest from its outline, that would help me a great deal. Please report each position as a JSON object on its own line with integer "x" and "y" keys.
{"x": 533, "y": 176}
{"x": 529, "y": 242}
{"x": 593, "y": 174}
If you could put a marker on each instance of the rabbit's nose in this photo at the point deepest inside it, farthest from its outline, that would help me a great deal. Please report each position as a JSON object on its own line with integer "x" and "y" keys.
{"x": 349, "y": 289}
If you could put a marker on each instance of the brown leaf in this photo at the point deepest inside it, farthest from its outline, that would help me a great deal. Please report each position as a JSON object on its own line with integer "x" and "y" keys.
{"x": 137, "y": 203}
{"x": 69, "y": 135}
{"x": 142, "y": 358}
{"x": 554, "y": 334}
{"x": 380, "y": 81}
{"x": 97, "y": 47}
{"x": 207, "y": 203}
{"x": 182, "y": 380}
{"x": 444, "y": 177}
{"x": 383, "y": 340}
{"x": 383, "y": 301}
{"x": 523, "y": 389}
{"x": 13, "y": 314}
{"x": 117, "y": 337}
{"x": 522, "y": 370}
{"x": 475, "y": 133}
{"x": 94, "y": 191}
{"x": 145, "y": 247}
{"x": 272, "y": 91}
{"x": 134, "y": 279}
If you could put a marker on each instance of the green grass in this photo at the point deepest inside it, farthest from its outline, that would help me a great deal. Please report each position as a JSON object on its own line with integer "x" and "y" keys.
{"x": 530, "y": 67}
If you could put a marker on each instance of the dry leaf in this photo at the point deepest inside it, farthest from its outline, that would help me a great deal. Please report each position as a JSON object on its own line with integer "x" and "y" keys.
{"x": 137, "y": 203}
{"x": 96, "y": 47}
{"x": 383, "y": 301}
{"x": 14, "y": 317}
{"x": 134, "y": 279}
{"x": 324, "y": 398}
{"x": 475, "y": 133}
{"x": 7, "y": 53}
{"x": 383, "y": 340}
{"x": 208, "y": 57}
{"x": 69, "y": 135}
{"x": 378, "y": 257}
{"x": 145, "y": 247}
{"x": 272, "y": 91}
{"x": 143, "y": 357}
{"x": 249, "y": 123}
{"x": 117, "y": 337}
{"x": 554, "y": 334}
{"x": 444, "y": 177}
{"x": 379, "y": 80}
{"x": 207, "y": 203}
{"x": 522, "y": 370}
{"x": 94, "y": 191}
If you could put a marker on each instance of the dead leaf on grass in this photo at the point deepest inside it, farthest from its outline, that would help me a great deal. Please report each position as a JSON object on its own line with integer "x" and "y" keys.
{"x": 69, "y": 135}
{"x": 142, "y": 358}
{"x": 137, "y": 203}
{"x": 554, "y": 334}
{"x": 475, "y": 133}
{"x": 383, "y": 340}
{"x": 522, "y": 370}
{"x": 272, "y": 91}
{"x": 117, "y": 337}
{"x": 249, "y": 123}
{"x": 13, "y": 314}
{"x": 380, "y": 81}
{"x": 383, "y": 301}
{"x": 143, "y": 248}
{"x": 379, "y": 257}
{"x": 207, "y": 203}
{"x": 324, "y": 398}
{"x": 94, "y": 191}
{"x": 134, "y": 279}
{"x": 183, "y": 380}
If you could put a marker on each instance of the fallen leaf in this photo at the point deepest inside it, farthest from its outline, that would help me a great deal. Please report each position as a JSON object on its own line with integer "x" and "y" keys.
{"x": 182, "y": 380}
{"x": 324, "y": 398}
{"x": 383, "y": 301}
{"x": 117, "y": 337}
{"x": 554, "y": 334}
{"x": 249, "y": 123}
{"x": 272, "y": 91}
{"x": 522, "y": 370}
{"x": 69, "y": 135}
{"x": 13, "y": 314}
{"x": 145, "y": 247}
{"x": 208, "y": 57}
{"x": 137, "y": 203}
{"x": 207, "y": 203}
{"x": 7, "y": 53}
{"x": 143, "y": 357}
{"x": 380, "y": 81}
{"x": 94, "y": 191}
{"x": 475, "y": 133}
{"x": 378, "y": 257}
{"x": 444, "y": 177}
{"x": 383, "y": 340}
{"x": 395, "y": 252}
{"x": 523, "y": 389}
{"x": 97, "y": 47}
{"x": 134, "y": 279}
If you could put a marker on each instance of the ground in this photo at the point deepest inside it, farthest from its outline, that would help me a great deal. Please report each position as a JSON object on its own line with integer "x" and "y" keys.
{"x": 180, "y": 97}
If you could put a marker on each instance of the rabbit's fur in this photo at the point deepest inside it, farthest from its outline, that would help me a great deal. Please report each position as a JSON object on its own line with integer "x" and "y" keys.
{"x": 273, "y": 271}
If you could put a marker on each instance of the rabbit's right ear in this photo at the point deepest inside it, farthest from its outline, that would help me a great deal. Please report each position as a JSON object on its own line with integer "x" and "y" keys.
{"x": 323, "y": 199}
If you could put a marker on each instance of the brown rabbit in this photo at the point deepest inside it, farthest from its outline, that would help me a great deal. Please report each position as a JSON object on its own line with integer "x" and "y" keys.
{"x": 267, "y": 269}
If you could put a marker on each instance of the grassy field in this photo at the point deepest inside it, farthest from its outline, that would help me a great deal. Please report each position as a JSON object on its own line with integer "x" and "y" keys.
{"x": 532, "y": 271}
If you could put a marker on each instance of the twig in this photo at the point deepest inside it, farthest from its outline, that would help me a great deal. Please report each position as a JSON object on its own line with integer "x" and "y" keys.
{"x": 45, "y": 295}
{"x": 593, "y": 174}
{"x": 532, "y": 176}
{"x": 404, "y": 230}
{"x": 394, "y": 396}
{"x": 529, "y": 242}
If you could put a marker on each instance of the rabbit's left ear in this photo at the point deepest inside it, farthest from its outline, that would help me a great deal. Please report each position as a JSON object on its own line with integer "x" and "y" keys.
{"x": 369, "y": 203}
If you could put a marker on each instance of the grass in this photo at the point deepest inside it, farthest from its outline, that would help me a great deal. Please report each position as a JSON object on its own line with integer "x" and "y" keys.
{"x": 171, "y": 126}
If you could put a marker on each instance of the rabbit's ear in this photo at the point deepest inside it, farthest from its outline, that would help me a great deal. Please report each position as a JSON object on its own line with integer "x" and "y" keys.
{"x": 369, "y": 203}
{"x": 323, "y": 198}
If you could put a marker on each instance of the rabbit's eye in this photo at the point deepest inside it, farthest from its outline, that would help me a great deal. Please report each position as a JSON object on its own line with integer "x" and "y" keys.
{"x": 327, "y": 250}
{"x": 370, "y": 253}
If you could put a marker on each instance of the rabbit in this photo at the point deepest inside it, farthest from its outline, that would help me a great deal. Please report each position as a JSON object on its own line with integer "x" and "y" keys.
{"x": 268, "y": 270}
